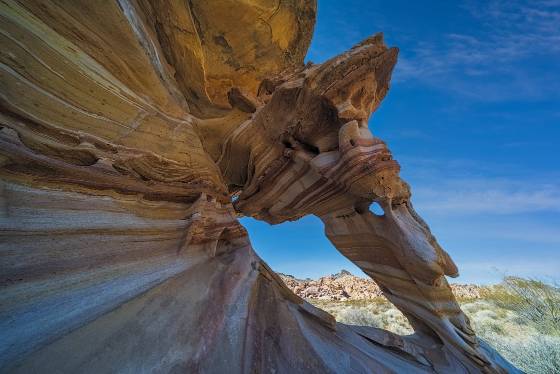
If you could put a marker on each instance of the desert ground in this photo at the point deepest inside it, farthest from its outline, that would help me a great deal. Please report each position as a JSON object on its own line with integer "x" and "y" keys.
{"x": 519, "y": 317}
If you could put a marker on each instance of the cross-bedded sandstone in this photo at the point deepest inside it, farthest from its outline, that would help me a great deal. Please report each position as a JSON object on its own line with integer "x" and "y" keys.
{"x": 128, "y": 127}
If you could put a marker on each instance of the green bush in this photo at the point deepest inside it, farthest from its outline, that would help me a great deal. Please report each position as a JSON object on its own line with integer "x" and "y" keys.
{"x": 520, "y": 318}
{"x": 360, "y": 317}
{"x": 535, "y": 355}
{"x": 535, "y": 302}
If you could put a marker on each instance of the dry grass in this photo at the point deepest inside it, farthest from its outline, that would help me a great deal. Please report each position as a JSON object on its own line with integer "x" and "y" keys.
{"x": 520, "y": 318}
{"x": 378, "y": 313}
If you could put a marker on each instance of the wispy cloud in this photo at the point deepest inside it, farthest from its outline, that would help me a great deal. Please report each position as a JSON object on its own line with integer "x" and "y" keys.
{"x": 468, "y": 186}
{"x": 482, "y": 272}
{"x": 488, "y": 196}
{"x": 487, "y": 63}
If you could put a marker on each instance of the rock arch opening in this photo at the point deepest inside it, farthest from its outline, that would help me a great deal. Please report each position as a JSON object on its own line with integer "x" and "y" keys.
{"x": 297, "y": 248}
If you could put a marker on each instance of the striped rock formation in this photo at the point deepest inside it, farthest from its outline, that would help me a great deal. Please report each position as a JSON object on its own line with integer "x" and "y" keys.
{"x": 128, "y": 128}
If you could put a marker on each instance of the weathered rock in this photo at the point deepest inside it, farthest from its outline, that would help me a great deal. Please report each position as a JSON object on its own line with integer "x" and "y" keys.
{"x": 345, "y": 286}
{"x": 126, "y": 129}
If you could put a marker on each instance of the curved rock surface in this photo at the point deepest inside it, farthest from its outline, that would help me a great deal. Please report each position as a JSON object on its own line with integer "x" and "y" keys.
{"x": 128, "y": 127}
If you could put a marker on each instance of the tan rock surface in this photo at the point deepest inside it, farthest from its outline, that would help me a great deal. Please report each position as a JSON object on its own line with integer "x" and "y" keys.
{"x": 345, "y": 286}
{"x": 128, "y": 127}
{"x": 334, "y": 287}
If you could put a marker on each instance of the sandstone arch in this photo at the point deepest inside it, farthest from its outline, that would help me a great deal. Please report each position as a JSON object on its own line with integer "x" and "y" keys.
{"x": 125, "y": 129}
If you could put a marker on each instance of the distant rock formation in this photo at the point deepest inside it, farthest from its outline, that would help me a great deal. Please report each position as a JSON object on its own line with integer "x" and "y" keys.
{"x": 134, "y": 133}
{"x": 345, "y": 286}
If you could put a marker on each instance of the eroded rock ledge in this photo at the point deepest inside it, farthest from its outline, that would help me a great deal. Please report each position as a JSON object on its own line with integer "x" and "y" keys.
{"x": 128, "y": 127}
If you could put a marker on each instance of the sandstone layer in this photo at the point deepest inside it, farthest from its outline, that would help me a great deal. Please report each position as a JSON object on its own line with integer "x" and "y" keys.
{"x": 134, "y": 133}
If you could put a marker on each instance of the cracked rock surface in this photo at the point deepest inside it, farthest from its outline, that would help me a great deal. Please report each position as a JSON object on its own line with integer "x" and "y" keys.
{"x": 128, "y": 128}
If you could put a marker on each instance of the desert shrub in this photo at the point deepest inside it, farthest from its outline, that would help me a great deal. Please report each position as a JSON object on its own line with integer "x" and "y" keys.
{"x": 487, "y": 317}
{"x": 360, "y": 317}
{"x": 538, "y": 354}
{"x": 518, "y": 318}
{"x": 381, "y": 315}
{"x": 534, "y": 302}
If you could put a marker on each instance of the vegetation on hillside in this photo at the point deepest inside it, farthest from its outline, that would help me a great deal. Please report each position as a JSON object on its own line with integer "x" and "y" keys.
{"x": 520, "y": 318}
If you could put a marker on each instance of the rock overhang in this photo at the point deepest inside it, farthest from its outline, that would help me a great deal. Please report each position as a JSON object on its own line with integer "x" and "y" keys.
{"x": 126, "y": 128}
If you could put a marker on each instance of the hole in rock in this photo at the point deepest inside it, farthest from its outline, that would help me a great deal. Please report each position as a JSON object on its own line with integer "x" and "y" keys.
{"x": 373, "y": 207}
{"x": 311, "y": 148}
{"x": 376, "y": 209}
{"x": 287, "y": 144}
{"x": 312, "y": 267}
{"x": 298, "y": 248}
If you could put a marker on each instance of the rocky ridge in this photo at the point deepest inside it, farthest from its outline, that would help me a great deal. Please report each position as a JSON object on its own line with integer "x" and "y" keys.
{"x": 346, "y": 286}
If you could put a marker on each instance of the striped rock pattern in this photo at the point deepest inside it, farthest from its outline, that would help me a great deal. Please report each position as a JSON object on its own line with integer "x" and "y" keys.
{"x": 128, "y": 128}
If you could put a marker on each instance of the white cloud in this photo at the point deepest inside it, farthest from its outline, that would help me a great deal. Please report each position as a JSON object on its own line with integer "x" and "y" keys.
{"x": 486, "y": 64}
{"x": 488, "y": 196}
{"x": 467, "y": 187}
{"x": 483, "y": 272}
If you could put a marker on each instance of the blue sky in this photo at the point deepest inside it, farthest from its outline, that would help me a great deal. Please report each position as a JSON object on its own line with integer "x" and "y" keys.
{"x": 473, "y": 117}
